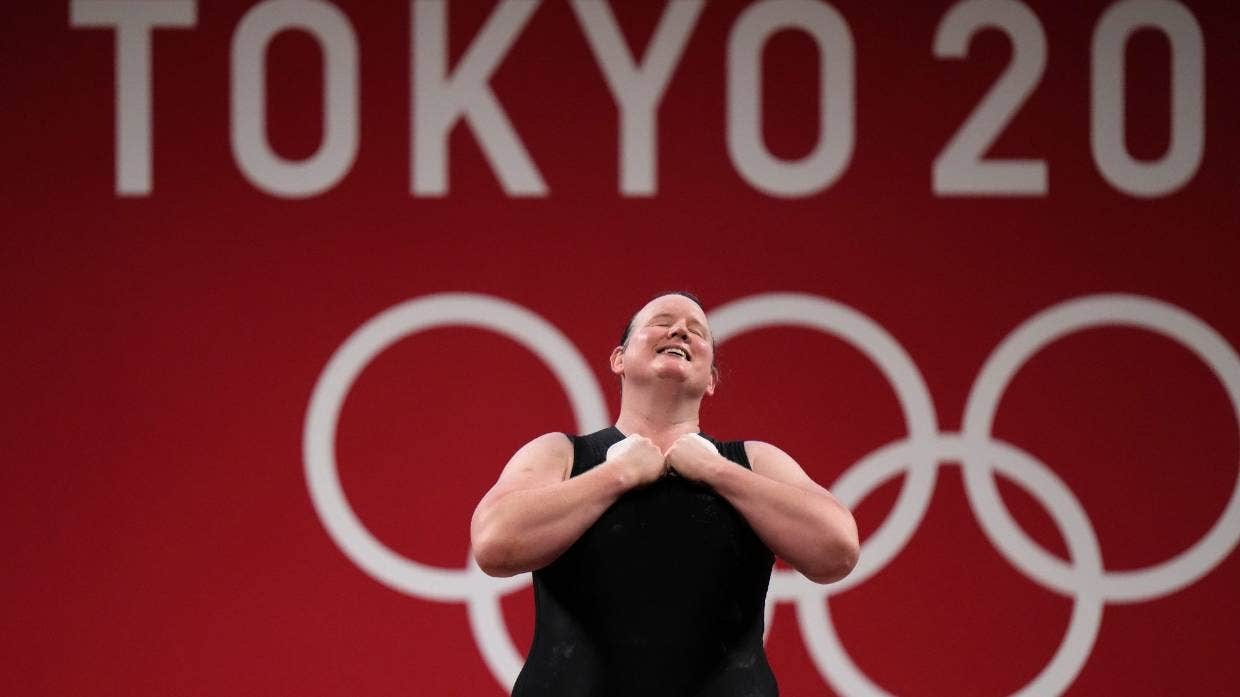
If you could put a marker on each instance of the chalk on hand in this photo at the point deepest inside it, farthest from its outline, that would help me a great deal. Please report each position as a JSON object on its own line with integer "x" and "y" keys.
{"x": 619, "y": 448}
{"x": 697, "y": 438}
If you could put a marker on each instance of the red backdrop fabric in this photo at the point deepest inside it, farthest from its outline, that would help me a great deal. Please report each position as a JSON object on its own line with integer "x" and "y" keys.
{"x": 281, "y": 306}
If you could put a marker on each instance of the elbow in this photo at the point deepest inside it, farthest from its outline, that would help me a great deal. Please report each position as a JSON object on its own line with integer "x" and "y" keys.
{"x": 487, "y": 561}
{"x": 843, "y": 560}
{"x": 489, "y": 551}
{"x": 496, "y": 569}
{"x": 492, "y": 554}
{"x": 837, "y": 560}
{"x": 834, "y": 568}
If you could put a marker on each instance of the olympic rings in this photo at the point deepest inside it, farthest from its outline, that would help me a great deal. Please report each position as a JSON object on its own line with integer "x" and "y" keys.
{"x": 917, "y": 457}
{"x": 319, "y": 436}
{"x": 1156, "y": 316}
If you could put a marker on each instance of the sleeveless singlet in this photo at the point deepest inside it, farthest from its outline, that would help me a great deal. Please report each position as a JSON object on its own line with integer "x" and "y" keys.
{"x": 661, "y": 597}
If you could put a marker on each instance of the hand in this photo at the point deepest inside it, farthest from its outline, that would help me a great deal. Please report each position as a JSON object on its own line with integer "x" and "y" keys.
{"x": 638, "y": 460}
{"x": 693, "y": 457}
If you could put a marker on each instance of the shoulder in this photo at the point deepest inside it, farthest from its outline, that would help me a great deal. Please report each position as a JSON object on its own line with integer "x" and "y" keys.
{"x": 770, "y": 461}
{"x": 763, "y": 452}
{"x": 550, "y": 452}
{"x": 542, "y": 461}
{"x": 554, "y": 443}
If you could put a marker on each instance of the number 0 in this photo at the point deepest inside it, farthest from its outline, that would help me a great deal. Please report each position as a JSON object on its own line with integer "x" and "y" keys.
{"x": 1178, "y": 165}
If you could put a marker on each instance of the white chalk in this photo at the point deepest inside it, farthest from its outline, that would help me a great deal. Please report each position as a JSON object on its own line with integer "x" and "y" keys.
{"x": 619, "y": 448}
{"x": 697, "y": 438}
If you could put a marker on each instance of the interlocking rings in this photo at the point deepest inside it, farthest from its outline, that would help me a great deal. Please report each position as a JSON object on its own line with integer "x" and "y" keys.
{"x": 917, "y": 456}
{"x": 319, "y": 437}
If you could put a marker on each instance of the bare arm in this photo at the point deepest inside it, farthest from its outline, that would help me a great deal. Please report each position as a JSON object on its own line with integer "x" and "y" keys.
{"x": 535, "y": 510}
{"x": 798, "y": 520}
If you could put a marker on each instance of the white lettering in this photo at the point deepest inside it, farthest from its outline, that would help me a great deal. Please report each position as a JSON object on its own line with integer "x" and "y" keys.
{"x": 258, "y": 162}
{"x": 1178, "y": 165}
{"x": 836, "y": 111}
{"x": 440, "y": 100}
{"x": 133, "y": 22}
{"x": 638, "y": 90}
{"x": 962, "y": 168}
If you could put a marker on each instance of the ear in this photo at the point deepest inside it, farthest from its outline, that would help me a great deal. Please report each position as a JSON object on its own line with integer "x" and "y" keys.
{"x": 617, "y": 361}
{"x": 714, "y": 381}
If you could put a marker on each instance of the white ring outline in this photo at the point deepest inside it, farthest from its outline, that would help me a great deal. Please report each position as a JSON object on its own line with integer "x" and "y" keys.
{"x": 922, "y": 447}
{"x": 346, "y": 364}
{"x": 813, "y": 615}
{"x": 1029, "y": 338}
{"x": 841, "y": 321}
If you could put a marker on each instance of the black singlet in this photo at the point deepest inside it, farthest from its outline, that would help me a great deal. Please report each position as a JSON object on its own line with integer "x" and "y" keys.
{"x": 661, "y": 597}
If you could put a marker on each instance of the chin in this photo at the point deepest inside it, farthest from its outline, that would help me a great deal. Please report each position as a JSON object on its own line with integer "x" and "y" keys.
{"x": 672, "y": 373}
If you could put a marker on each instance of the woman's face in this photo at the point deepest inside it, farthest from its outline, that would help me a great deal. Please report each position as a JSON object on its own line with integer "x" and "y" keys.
{"x": 670, "y": 339}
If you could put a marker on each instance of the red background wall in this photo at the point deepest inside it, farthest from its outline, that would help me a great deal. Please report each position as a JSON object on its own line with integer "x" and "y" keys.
{"x": 162, "y": 349}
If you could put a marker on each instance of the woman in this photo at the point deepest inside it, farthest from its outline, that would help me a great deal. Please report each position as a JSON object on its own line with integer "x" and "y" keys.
{"x": 652, "y": 544}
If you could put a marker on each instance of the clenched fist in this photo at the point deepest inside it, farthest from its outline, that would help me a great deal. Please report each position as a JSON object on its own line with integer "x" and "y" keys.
{"x": 638, "y": 460}
{"x": 692, "y": 457}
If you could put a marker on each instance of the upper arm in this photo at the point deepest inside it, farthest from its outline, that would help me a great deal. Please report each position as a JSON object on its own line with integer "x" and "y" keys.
{"x": 769, "y": 461}
{"x": 545, "y": 460}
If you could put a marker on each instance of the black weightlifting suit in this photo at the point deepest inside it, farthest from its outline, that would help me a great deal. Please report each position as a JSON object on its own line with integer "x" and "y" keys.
{"x": 661, "y": 597}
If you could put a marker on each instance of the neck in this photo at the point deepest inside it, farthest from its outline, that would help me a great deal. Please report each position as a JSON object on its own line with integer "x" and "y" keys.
{"x": 657, "y": 417}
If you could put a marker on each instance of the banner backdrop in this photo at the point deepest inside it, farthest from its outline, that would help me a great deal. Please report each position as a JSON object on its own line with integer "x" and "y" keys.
{"x": 287, "y": 282}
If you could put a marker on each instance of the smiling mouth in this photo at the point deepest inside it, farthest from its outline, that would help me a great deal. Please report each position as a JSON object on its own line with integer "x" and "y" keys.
{"x": 674, "y": 351}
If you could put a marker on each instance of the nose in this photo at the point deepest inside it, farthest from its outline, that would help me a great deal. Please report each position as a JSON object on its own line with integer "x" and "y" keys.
{"x": 679, "y": 328}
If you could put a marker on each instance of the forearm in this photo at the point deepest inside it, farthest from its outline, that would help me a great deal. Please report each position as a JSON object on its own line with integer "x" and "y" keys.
{"x": 809, "y": 529}
{"x": 527, "y": 529}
